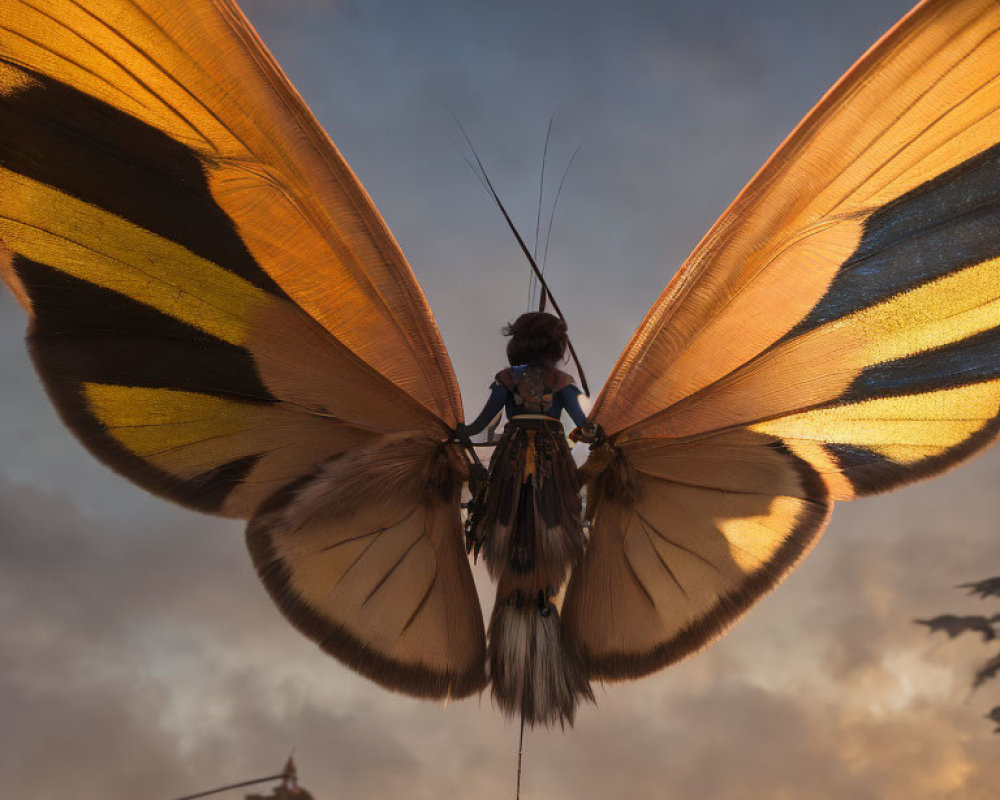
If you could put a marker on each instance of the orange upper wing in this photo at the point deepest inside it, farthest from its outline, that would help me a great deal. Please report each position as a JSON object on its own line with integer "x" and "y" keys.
{"x": 837, "y": 332}
{"x": 220, "y": 313}
{"x": 198, "y": 73}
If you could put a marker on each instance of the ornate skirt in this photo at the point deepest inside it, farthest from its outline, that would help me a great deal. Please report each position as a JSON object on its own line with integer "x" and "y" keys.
{"x": 528, "y": 519}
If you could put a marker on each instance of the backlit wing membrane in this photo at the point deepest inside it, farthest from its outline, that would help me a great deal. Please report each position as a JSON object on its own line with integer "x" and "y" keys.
{"x": 707, "y": 527}
{"x": 216, "y": 307}
{"x": 845, "y": 311}
{"x": 372, "y": 568}
{"x": 198, "y": 74}
{"x": 177, "y": 222}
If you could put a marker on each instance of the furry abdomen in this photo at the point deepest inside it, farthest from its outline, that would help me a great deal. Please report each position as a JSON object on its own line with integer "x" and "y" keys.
{"x": 531, "y": 534}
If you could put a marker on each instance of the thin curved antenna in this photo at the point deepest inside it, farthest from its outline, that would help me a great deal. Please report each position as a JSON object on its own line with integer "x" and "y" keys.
{"x": 555, "y": 204}
{"x": 527, "y": 253}
{"x": 538, "y": 215}
{"x": 472, "y": 166}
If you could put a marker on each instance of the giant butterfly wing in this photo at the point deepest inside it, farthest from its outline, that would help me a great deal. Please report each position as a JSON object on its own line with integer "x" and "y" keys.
{"x": 219, "y": 313}
{"x": 836, "y": 333}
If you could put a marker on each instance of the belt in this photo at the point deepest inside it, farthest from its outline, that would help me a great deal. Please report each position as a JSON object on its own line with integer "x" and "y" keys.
{"x": 537, "y": 422}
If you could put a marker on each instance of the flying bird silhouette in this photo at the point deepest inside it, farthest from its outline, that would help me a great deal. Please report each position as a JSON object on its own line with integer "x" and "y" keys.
{"x": 986, "y": 588}
{"x": 995, "y": 716}
{"x": 954, "y": 625}
{"x": 986, "y": 672}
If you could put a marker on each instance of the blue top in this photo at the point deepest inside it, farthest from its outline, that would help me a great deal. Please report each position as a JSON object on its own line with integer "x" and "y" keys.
{"x": 566, "y": 399}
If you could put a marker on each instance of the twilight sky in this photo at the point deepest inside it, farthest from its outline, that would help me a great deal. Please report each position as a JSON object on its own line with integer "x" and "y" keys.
{"x": 139, "y": 657}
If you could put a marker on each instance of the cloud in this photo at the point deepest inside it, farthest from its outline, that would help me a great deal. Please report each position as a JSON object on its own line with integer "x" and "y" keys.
{"x": 138, "y": 658}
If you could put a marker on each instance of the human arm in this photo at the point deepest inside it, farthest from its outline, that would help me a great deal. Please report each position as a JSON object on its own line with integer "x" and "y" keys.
{"x": 587, "y": 432}
{"x": 569, "y": 399}
{"x": 494, "y": 405}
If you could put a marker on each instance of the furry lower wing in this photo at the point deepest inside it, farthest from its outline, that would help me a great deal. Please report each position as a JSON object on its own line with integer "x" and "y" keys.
{"x": 685, "y": 537}
{"x": 366, "y": 559}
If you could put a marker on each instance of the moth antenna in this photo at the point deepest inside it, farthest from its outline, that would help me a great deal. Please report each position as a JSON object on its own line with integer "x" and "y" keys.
{"x": 472, "y": 166}
{"x": 555, "y": 204}
{"x": 552, "y": 216}
{"x": 538, "y": 215}
{"x": 527, "y": 253}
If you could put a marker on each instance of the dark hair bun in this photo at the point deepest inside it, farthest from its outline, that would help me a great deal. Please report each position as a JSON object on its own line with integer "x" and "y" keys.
{"x": 536, "y": 338}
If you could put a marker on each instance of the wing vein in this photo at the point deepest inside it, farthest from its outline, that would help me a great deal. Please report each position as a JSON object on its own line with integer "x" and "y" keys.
{"x": 394, "y": 567}
{"x": 644, "y": 528}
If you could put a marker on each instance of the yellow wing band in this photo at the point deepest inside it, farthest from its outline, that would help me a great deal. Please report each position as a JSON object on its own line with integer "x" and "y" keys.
{"x": 89, "y": 243}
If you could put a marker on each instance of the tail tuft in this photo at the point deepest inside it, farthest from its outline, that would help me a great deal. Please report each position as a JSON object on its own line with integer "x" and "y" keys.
{"x": 533, "y": 670}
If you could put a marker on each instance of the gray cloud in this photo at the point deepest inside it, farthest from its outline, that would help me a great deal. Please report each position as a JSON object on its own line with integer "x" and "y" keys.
{"x": 135, "y": 658}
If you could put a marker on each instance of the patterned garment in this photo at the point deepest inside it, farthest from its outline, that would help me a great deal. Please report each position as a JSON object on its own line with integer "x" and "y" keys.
{"x": 527, "y": 522}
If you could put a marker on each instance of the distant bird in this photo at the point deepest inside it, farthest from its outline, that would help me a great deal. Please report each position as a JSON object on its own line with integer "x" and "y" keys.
{"x": 954, "y": 625}
{"x": 986, "y": 588}
{"x": 995, "y": 716}
{"x": 986, "y": 672}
